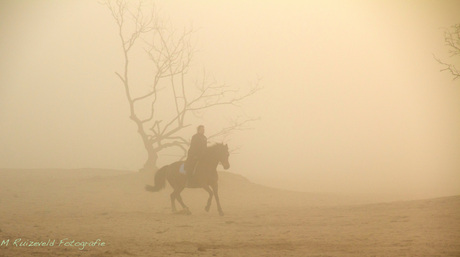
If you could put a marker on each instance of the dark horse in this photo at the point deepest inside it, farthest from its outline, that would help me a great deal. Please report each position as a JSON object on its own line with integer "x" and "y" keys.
{"x": 205, "y": 177}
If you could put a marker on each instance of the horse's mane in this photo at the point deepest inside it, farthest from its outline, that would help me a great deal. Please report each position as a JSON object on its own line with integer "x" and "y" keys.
{"x": 216, "y": 145}
{"x": 215, "y": 148}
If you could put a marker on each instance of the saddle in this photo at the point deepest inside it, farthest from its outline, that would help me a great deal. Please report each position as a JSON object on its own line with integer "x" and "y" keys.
{"x": 191, "y": 181}
{"x": 182, "y": 169}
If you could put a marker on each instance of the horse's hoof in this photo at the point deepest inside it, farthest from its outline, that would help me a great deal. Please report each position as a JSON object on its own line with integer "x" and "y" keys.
{"x": 207, "y": 208}
{"x": 221, "y": 213}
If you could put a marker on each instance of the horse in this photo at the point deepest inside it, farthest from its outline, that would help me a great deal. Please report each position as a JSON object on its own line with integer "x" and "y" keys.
{"x": 205, "y": 177}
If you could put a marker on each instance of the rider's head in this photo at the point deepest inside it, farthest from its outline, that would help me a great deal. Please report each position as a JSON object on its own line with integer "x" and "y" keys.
{"x": 200, "y": 129}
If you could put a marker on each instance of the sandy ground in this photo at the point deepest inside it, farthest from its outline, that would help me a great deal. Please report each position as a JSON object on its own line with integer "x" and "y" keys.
{"x": 87, "y": 205}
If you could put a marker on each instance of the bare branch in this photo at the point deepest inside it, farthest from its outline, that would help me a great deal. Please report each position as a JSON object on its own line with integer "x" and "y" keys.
{"x": 210, "y": 102}
{"x": 449, "y": 68}
{"x": 234, "y": 126}
{"x": 452, "y": 69}
{"x": 119, "y": 76}
{"x": 174, "y": 144}
{"x": 452, "y": 41}
{"x": 171, "y": 53}
{"x": 171, "y": 144}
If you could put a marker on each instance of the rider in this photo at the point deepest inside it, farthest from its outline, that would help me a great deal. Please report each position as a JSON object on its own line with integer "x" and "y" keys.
{"x": 196, "y": 151}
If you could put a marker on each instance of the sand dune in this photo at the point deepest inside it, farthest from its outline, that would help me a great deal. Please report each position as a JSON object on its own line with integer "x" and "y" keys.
{"x": 108, "y": 213}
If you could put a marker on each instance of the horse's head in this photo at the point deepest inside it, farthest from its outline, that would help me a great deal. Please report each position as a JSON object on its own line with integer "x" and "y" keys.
{"x": 222, "y": 155}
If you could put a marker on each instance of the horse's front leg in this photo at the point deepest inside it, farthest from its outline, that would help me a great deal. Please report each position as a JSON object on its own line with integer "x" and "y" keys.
{"x": 208, "y": 205}
{"x": 179, "y": 199}
{"x": 215, "y": 189}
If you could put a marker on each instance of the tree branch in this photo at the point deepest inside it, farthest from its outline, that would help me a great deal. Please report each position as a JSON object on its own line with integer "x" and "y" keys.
{"x": 171, "y": 53}
{"x": 234, "y": 126}
{"x": 452, "y": 41}
{"x": 449, "y": 68}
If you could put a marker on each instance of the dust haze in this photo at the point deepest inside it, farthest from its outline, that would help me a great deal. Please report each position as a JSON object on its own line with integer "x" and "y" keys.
{"x": 354, "y": 110}
{"x": 353, "y": 101}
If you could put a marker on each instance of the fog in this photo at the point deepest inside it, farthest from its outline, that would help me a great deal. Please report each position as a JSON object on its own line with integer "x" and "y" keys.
{"x": 353, "y": 101}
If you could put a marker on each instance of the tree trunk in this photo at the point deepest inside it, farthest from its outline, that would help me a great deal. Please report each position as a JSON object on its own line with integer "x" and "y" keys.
{"x": 150, "y": 164}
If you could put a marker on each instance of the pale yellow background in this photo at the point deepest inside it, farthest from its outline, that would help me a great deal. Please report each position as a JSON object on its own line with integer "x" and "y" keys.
{"x": 353, "y": 100}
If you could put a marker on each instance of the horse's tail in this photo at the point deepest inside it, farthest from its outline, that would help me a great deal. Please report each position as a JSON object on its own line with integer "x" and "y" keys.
{"x": 160, "y": 180}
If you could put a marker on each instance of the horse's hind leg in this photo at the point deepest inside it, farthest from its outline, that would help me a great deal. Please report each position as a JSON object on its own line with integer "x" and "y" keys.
{"x": 173, "y": 199}
{"x": 208, "y": 205}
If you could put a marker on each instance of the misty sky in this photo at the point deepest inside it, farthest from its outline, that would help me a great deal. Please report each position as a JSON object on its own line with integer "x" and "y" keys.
{"x": 353, "y": 100}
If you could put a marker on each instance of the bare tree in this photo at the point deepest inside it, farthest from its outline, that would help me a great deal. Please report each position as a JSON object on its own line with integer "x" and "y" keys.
{"x": 171, "y": 53}
{"x": 452, "y": 41}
